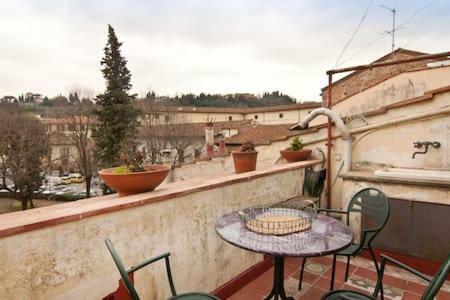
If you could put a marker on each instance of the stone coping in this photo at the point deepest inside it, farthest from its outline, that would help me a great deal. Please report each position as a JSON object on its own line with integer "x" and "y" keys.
{"x": 368, "y": 175}
{"x": 23, "y": 221}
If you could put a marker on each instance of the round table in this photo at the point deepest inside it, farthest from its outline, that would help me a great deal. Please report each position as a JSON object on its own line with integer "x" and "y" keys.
{"x": 326, "y": 236}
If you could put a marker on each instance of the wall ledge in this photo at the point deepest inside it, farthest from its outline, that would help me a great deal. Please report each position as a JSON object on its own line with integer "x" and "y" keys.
{"x": 38, "y": 218}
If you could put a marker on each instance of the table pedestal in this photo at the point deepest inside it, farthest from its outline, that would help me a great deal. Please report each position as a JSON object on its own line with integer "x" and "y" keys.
{"x": 278, "y": 280}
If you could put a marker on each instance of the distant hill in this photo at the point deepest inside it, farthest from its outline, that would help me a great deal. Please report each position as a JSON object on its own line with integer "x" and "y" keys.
{"x": 229, "y": 100}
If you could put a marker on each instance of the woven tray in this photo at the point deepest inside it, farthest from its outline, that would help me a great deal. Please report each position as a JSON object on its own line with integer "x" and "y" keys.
{"x": 272, "y": 220}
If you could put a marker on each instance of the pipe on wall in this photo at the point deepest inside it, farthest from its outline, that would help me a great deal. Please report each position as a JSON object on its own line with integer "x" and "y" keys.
{"x": 344, "y": 132}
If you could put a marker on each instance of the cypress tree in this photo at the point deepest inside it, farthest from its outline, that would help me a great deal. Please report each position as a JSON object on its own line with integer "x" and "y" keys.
{"x": 117, "y": 117}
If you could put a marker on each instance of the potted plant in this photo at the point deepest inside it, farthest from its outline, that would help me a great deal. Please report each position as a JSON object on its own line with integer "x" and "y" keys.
{"x": 134, "y": 177}
{"x": 295, "y": 152}
{"x": 245, "y": 158}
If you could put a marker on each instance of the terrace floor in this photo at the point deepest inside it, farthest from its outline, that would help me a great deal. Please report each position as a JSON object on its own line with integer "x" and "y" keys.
{"x": 397, "y": 283}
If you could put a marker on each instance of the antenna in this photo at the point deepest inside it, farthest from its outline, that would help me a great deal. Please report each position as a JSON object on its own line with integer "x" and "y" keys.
{"x": 393, "y": 27}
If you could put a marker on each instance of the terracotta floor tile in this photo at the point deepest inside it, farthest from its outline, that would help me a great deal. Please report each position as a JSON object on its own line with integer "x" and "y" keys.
{"x": 313, "y": 293}
{"x": 261, "y": 287}
{"x": 414, "y": 287}
{"x": 307, "y": 276}
{"x": 324, "y": 260}
{"x": 244, "y": 294}
{"x": 443, "y": 295}
{"x": 290, "y": 269}
{"x": 340, "y": 271}
{"x": 410, "y": 296}
{"x": 324, "y": 283}
{"x": 267, "y": 275}
{"x": 372, "y": 275}
{"x": 294, "y": 261}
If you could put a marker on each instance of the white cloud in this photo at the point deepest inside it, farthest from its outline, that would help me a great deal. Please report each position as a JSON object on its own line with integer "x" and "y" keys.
{"x": 199, "y": 46}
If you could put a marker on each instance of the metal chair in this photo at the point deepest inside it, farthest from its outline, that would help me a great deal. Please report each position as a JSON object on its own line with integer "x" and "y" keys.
{"x": 429, "y": 294}
{"x": 313, "y": 185}
{"x": 373, "y": 207}
{"x": 130, "y": 287}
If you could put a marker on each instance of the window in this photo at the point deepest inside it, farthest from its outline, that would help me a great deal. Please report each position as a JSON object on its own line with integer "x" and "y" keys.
{"x": 230, "y": 118}
{"x": 167, "y": 118}
{"x": 281, "y": 116}
{"x": 256, "y": 117}
{"x": 60, "y": 127}
{"x": 156, "y": 116}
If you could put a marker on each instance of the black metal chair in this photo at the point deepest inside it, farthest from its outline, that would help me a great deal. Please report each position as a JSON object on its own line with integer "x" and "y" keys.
{"x": 130, "y": 287}
{"x": 430, "y": 292}
{"x": 313, "y": 185}
{"x": 373, "y": 207}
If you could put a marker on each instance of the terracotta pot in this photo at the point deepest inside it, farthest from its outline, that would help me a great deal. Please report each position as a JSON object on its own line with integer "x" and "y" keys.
{"x": 293, "y": 156}
{"x": 135, "y": 183}
{"x": 244, "y": 161}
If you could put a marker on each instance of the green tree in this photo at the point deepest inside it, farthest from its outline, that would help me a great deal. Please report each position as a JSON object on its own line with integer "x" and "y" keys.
{"x": 117, "y": 117}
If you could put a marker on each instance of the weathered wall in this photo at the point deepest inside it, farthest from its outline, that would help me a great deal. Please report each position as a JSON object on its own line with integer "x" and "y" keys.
{"x": 286, "y": 117}
{"x": 70, "y": 260}
{"x": 400, "y": 87}
{"x": 361, "y": 80}
{"x": 404, "y": 86}
{"x": 388, "y": 146}
{"x": 289, "y": 116}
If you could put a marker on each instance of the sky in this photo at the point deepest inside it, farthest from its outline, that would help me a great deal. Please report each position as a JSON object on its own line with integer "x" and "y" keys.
{"x": 210, "y": 46}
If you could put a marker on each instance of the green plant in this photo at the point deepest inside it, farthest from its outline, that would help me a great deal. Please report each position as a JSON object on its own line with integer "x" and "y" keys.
{"x": 132, "y": 159}
{"x": 248, "y": 147}
{"x": 296, "y": 144}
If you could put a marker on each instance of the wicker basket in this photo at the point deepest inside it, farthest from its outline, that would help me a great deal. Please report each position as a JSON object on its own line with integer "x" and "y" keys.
{"x": 278, "y": 220}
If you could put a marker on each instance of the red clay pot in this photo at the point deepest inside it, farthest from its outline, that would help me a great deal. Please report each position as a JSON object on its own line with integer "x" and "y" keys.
{"x": 135, "y": 183}
{"x": 293, "y": 156}
{"x": 244, "y": 161}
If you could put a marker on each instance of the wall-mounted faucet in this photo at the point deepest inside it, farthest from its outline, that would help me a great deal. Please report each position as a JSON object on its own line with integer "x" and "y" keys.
{"x": 426, "y": 144}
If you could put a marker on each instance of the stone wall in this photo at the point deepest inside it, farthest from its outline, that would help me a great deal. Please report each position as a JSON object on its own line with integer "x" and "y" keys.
{"x": 59, "y": 252}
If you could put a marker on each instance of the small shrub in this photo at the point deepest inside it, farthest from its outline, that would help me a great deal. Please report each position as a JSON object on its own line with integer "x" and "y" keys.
{"x": 296, "y": 144}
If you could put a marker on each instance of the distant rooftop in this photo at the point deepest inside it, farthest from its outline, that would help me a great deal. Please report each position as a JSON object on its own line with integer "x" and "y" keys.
{"x": 238, "y": 110}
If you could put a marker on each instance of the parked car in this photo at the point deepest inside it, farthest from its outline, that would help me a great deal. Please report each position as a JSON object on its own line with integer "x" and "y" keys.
{"x": 76, "y": 178}
{"x": 65, "y": 180}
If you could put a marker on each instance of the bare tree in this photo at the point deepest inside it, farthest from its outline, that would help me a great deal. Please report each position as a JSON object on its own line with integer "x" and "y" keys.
{"x": 153, "y": 130}
{"x": 165, "y": 131}
{"x": 79, "y": 121}
{"x": 23, "y": 152}
{"x": 181, "y": 136}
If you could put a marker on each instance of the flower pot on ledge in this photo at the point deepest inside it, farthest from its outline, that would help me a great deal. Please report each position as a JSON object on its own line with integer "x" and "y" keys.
{"x": 293, "y": 156}
{"x": 244, "y": 161}
{"x": 135, "y": 182}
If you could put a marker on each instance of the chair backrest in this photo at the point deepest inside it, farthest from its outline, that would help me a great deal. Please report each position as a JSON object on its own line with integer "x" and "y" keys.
{"x": 123, "y": 272}
{"x": 438, "y": 280}
{"x": 314, "y": 182}
{"x": 373, "y": 205}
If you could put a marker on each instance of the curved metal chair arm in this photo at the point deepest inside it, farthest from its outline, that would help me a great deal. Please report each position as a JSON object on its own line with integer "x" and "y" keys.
{"x": 326, "y": 210}
{"x": 385, "y": 258}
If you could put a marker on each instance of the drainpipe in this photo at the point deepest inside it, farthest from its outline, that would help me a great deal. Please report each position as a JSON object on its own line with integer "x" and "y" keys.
{"x": 346, "y": 138}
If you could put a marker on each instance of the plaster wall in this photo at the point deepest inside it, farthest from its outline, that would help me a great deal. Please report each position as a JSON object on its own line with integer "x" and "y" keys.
{"x": 388, "y": 146}
{"x": 71, "y": 261}
{"x": 265, "y": 118}
{"x": 401, "y": 87}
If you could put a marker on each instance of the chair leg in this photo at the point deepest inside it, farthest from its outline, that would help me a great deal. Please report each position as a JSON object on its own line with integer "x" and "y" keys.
{"x": 333, "y": 270}
{"x": 347, "y": 267}
{"x": 301, "y": 274}
{"x": 377, "y": 269}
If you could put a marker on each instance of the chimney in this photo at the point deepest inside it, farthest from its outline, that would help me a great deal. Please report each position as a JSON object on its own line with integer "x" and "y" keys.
{"x": 222, "y": 146}
{"x": 209, "y": 139}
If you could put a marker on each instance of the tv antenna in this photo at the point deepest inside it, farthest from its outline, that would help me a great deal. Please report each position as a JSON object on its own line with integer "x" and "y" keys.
{"x": 392, "y": 32}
